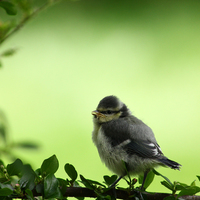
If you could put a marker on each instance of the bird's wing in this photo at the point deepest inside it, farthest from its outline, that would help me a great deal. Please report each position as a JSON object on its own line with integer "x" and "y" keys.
{"x": 122, "y": 136}
{"x": 145, "y": 149}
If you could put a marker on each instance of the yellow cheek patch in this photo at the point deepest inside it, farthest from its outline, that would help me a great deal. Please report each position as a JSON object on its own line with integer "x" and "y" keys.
{"x": 107, "y": 118}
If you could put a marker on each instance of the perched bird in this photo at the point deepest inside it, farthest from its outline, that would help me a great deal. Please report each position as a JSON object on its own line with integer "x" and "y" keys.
{"x": 124, "y": 142}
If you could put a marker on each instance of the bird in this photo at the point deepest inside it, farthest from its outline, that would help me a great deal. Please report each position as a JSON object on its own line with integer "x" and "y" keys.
{"x": 125, "y": 143}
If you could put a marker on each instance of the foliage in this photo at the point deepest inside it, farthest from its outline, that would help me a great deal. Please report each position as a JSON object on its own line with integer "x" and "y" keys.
{"x": 20, "y": 12}
{"x": 175, "y": 187}
{"x": 19, "y": 180}
{"x": 8, "y": 147}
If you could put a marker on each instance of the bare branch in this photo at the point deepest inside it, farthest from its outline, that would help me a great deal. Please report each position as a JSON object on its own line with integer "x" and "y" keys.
{"x": 121, "y": 194}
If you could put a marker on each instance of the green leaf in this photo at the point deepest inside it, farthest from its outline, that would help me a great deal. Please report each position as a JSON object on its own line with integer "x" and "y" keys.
{"x": 5, "y": 28}
{"x": 51, "y": 189}
{"x": 102, "y": 197}
{"x": 5, "y": 192}
{"x": 2, "y": 185}
{"x": 25, "y": 5}
{"x": 87, "y": 183}
{"x": 158, "y": 174}
{"x": 38, "y": 172}
{"x": 29, "y": 194}
{"x": 9, "y": 52}
{"x": 167, "y": 185}
{"x": 198, "y": 177}
{"x": 15, "y": 168}
{"x": 71, "y": 171}
{"x": 27, "y": 180}
{"x": 170, "y": 198}
{"x": 109, "y": 180}
{"x": 40, "y": 188}
{"x": 26, "y": 145}
{"x": 49, "y": 166}
{"x": 149, "y": 179}
{"x": 180, "y": 186}
{"x": 80, "y": 198}
{"x": 3, "y": 178}
{"x": 62, "y": 185}
{"x": 191, "y": 190}
{"x": 3, "y": 132}
{"x": 9, "y": 7}
{"x": 95, "y": 182}
{"x": 193, "y": 183}
{"x": 1, "y": 163}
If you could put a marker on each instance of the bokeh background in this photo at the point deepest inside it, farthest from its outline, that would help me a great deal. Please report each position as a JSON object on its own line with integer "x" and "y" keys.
{"x": 76, "y": 52}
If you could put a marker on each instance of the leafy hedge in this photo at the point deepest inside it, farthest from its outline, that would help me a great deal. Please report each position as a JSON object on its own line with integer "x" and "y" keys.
{"x": 18, "y": 180}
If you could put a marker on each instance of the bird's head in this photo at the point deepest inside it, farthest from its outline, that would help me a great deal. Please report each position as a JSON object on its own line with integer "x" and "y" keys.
{"x": 110, "y": 108}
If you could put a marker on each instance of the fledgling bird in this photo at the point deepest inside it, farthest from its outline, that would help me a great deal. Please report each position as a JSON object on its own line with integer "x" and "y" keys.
{"x": 122, "y": 138}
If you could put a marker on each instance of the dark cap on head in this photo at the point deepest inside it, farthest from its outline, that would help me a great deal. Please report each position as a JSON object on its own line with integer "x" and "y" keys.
{"x": 109, "y": 102}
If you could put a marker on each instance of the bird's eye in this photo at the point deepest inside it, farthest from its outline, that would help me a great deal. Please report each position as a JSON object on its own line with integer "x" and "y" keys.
{"x": 108, "y": 112}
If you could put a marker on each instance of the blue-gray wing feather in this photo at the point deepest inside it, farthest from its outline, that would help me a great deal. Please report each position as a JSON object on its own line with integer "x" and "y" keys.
{"x": 118, "y": 133}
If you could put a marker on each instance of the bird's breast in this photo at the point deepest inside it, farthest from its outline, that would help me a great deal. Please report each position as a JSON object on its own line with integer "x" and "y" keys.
{"x": 95, "y": 133}
{"x": 111, "y": 156}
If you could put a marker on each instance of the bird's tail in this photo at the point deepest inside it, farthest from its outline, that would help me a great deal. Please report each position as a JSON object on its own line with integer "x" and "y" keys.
{"x": 170, "y": 163}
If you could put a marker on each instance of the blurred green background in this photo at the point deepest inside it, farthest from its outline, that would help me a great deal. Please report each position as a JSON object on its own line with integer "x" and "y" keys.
{"x": 77, "y": 52}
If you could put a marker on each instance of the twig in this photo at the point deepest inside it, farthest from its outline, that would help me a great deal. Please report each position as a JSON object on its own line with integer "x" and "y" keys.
{"x": 27, "y": 18}
{"x": 121, "y": 194}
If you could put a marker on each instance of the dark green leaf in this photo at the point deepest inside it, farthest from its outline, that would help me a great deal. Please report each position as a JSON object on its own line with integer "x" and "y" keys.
{"x": 191, "y": 190}
{"x": 167, "y": 185}
{"x": 95, "y": 182}
{"x": 102, "y": 197}
{"x": 51, "y": 189}
{"x": 158, "y": 174}
{"x": 71, "y": 171}
{"x": 9, "y": 7}
{"x": 170, "y": 198}
{"x": 27, "y": 180}
{"x": 5, "y": 28}
{"x": 38, "y": 172}
{"x": 25, "y": 5}
{"x": 40, "y": 188}
{"x": 15, "y": 168}
{"x": 3, "y": 130}
{"x": 193, "y": 183}
{"x": 62, "y": 185}
{"x": 5, "y": 192}
{"x": 149, "y": 179}
{"x": 179, "y": 187}
{"x": 2, "y": 185}
{"x": 87, "y": 183}
{"x": 198, "y": 178}
{"x": 29, "y": 194}
{"x": 49, "y": 165}
{"x": 80, "y": 198}
{"x": 109, "y": 180}
{"x": 182, "y": 184}
{"x": 9, "y": 52}
{"x": 1, "y": 163}
{"x": 3, "y": 178}
{"x": 26, "y": 145}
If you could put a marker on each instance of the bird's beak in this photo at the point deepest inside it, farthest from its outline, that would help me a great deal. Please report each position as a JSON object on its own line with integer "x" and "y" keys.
{"x": 97, "y": 113}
